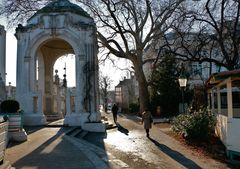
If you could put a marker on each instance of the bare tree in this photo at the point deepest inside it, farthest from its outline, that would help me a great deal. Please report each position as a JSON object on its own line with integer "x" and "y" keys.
{"x": 18, "y": 11}
{"x": 129, "y": 26}
{"x": 223, "y": 18}
{"x": 209, "y": 34}
{"x": 104, "y": 84}
{"x": 125, "y": 27}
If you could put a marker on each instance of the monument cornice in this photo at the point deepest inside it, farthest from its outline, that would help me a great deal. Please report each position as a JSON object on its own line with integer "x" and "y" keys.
{"x": 68, "y": 23}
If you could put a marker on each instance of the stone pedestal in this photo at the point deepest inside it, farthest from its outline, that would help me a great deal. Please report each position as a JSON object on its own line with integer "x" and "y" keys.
{"x": 73, "y": 120}
{"x": 18, "y": 136}
{"x": 34, "y": 119}
{"x": 82, "y": 119}
{"x": 78, "y": 119}
{"x": 94, "y": 127}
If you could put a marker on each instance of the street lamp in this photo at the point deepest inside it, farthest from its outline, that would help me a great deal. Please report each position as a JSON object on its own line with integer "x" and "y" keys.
{"x": 183, "y": 83}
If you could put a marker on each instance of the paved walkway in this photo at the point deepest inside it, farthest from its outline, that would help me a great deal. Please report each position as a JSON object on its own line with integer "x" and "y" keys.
{"x": 176, "y": 154}
{"x": 51, "y": 148}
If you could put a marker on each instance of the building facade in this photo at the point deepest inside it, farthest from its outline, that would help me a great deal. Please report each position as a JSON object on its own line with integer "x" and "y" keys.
{"x": 198, "y": 72}
{"x": 126, "y": 93}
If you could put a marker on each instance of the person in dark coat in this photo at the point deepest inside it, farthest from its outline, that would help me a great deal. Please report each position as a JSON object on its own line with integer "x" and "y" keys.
{"x": 114, "y": 112}
{"x": 147, "y": 121}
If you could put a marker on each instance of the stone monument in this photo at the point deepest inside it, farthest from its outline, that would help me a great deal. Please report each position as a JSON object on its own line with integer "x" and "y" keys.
{"x": 2, "y": 63}
{"x": 57, "y": 29}
{"x": 3, "y": 52}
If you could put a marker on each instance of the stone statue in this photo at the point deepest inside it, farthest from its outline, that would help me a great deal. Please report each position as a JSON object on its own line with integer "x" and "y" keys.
{"x": 56, "y": 80}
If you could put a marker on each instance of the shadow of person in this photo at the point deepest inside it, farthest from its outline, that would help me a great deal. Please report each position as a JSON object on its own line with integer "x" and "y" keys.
{"x": 122, "y": 129}
{"x": 177, "y": 156}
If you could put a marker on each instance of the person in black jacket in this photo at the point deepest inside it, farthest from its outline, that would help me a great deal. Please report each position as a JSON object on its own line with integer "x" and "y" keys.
{"x": 114, "y": 112}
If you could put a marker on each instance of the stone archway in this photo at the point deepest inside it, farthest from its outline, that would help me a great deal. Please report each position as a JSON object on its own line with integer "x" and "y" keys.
{"x": 52, "y": 87}
{"x": 59, "y": 28}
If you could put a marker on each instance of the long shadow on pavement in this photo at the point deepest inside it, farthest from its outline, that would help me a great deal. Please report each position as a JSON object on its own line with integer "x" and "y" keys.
{"x": 52, "y": 153}
{"x": 180, "y": 158}
{"x": 122, "y": 129}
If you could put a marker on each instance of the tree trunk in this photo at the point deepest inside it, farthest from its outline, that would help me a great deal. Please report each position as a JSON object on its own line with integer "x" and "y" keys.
{"x": 143, "y": 86}
{"x": 105, "y": 103}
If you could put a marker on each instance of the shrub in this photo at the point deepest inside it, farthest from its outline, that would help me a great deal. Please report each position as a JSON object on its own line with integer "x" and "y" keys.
{"x": 10, "y": 106}
{"x": 134, "y": 107}
{"x": 197, "y": 125}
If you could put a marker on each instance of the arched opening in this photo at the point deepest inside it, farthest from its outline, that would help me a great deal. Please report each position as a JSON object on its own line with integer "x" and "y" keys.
{"x": 55, "y": 71}
{"x": 66, "y": 65}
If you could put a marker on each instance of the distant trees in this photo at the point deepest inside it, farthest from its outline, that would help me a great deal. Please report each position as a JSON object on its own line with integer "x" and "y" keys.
{"x": 221, "y": 17}
{"x": 209, "y": 32}
{"x": 17, "y": 11}
{"x": 104, "y": 86}
{"x": 165, "y": 87}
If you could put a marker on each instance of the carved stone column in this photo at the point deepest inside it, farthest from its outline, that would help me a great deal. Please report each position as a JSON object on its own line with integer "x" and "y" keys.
{"x": 80, "y": 84}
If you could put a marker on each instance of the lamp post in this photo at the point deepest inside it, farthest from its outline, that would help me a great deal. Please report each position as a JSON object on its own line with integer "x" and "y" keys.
{"x": 183, "y": 83}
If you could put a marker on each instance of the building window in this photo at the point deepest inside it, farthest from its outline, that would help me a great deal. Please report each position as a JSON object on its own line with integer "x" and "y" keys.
{"x": 196, "y": 69}
{"x": 223, "y": 100}
{"x": 236, "y": 99}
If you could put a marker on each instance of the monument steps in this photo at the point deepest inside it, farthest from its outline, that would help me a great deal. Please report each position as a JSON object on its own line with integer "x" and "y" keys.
{"x": 101, "y": 153}
{"x": 93, "y": 152}
{"x": 53, "y": 117}
{"x": 73, "y": 131}
{"x": 56, "y": 123}
{"x": 105, "y": 159}
{"x": 75, "y": 134}
{"x": 82, "y": 134}
{"x": 108, "y": 124}
{"x": 78, "y": 134}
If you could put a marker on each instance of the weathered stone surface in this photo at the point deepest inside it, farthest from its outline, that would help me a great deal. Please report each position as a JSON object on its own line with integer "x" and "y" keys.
{"x": 57, "y": 29}
{"x": 18, "y": 136}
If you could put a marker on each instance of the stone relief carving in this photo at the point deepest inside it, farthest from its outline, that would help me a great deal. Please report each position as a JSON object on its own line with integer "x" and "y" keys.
{"x": 88, "y": 70}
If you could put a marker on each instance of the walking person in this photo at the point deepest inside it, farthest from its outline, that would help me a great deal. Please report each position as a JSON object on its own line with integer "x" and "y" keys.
{"x": 147, "y": 121}
{"x": 114, "y": 112}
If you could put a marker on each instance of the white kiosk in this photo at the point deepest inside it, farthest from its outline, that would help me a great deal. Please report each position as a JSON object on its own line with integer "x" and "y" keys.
{"x": 224, "y": 101}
